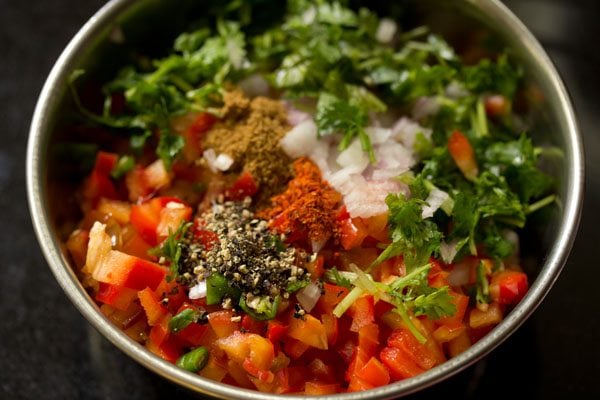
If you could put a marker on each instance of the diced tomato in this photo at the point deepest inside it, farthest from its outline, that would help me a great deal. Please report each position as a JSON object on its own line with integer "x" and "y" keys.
{"x": 294, "y": 348}
{"x": 121, "y": 269}
{"x": 160, "y": 331}
{"x": 174, "y": 293}
{"x": 213, "y": 370}
{"x": 446, "y": 333}
{"x": 146, "y": 217}
{"x": 331, "y": 297}
{"x": 437, "y": 277}
{"x": 119, "y": 210}
{"x": 363, "y": 312}
{"x": 352, "y": 232}
{"x": 368, "y": 339}
{"x": 241, "y": 346}
{"x": 253, "y": 326}
{"x": 491, "y": 316}
{"x": 374, "y": 373}
{"x": 221, "y": 323}
{"x": 167, "y": 350}
{"x": 77, "y": 245}
{"x": 321, "y": 371}
{"x": 206, "y": 238}
{"x": 276, "y": 331}
{"x": 330, "y": 322}
{"x": 461, "y": 302}
{"x": 496, "y": 105}
{"x": 154, "y": 309}
{"x": 134, "y": 245}
{"x": 171, "y": 217}
{"x": 244, "y": 186}
{"x": 359, "y": 359}
{"x": 316, "y": 267}
{"x": 463, "y": 155}
{"x": 318, "y": 388}
{"x": 239, "y": 374}
{"x": 118, "y": 297}
{"x": 308, "y": 330}
{"x": 400, "y": 365}
{"x": 137, "y": 184}
{"x": 99, "y": 183}
{"x": 412, "y": 348}
{"x": 459, "y": 344}
{"x": 508, "y": 287}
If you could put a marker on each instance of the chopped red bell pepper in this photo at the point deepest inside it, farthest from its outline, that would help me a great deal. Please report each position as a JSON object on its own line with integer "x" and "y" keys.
{"x": 363, "y": 312}
{"x": 463, "y": 155}
{"x": 374, "y": 373}
{"x": 154, "y": 309}
{"x": 122, "y": 269}
{"x": 244, "y": 186}
{"x": 508, "y": 287}
{"x": 118, "y": 297}
{"x": 400, "y": 365}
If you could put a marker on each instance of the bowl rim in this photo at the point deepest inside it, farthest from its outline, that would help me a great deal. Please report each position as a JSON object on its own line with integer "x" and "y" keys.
{"x": 555, "y": 261}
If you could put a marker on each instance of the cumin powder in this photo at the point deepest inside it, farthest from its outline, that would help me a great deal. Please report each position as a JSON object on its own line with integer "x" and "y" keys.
{"x": 249, "y": 133}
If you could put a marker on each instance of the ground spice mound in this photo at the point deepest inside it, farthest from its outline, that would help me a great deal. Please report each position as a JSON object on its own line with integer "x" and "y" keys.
{"x": 249, "y": 133}
{"x": 308, "y": 205}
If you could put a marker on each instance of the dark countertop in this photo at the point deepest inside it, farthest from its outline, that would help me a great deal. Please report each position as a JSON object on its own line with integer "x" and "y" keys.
{"x": 49, "y": 351}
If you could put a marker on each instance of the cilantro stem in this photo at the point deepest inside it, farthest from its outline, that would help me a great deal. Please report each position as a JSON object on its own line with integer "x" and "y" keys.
{"x": 401, "y": 310}
{"x": 345, "y": 304}
{"x": 540, "y": 204}
{"x": 402, "y": 281}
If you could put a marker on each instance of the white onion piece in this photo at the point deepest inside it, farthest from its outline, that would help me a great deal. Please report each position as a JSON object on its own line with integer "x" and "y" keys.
{"x": 459, "y": 276}
{"x": 198, "y": 291}
{"x": 435, "y": 199}
{"x": 455, "y": 90}
{"x": 223, "y": 162}
{"x": 316, "y": 246}
{"x": 378, "y": 135}
{"x": 295, "y": 116}
{"x": 448, "y": 251}
{"x": 386, "y": 30}
{"x": 210, "y": 156}
{"x": 406, "y": 131}
{"x": 301, "y": 140}
{"x": 308, "y": 296}
{"x": 353, "y": 158}
{"x": 424, "y": 107}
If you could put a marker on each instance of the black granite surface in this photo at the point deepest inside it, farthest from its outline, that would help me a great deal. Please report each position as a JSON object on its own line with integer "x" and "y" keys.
{"x": 48, "y": 350}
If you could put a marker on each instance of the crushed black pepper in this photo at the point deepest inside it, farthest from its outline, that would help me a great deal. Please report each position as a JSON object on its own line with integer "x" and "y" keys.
{"x": 244, "y": 254}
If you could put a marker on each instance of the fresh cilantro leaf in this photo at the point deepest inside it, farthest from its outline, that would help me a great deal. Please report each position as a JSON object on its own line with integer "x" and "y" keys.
{"x": 493, "y": 77}
{"x": 412, "y": 236}
{"x": 293, "y": 287}
{"x": 435, "y": 305}
{"x": 171, "y": 249}
{"x": 169, "y": 146}
{"x": 338, "y": 116}
{"x": 124, "y": 164}
{"x": 334, "y": 275}
{"x": 482, "y": 285}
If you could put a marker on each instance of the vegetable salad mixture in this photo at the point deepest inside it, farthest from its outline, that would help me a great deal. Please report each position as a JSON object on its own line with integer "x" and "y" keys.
{"x": 328, "y": 204}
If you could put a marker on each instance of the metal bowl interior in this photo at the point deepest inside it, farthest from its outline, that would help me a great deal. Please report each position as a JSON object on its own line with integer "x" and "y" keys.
{"x": 52, "y": 202}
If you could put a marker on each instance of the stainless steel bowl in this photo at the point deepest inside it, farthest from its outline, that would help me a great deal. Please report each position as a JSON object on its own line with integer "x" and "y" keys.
{"x": 93, "y": 47}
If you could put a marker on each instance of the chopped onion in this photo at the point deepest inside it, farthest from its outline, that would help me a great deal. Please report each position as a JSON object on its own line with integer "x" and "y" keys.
{"x": 435, "y": 199}
{"x": 378, "y": 135}
{"x": 424, "y": 107}
{"x": 353, "y": 158}
{"x": 210, "y": 156}
{"x": 448, "y": 251}
{"x": 316, "y": 246}
{"x": 254, "y": 85}
{"x": 459, "y": 276}
{"x": 223, "y": 162}
{"x": 386, "y": 30}
{"x": 301, "y": 140}
{"x": 295, "y": 116}
{"x": 308, "y": 296}
{"x": 455, "y": 90}
{"x": 406, "y": 130}
{"x": 198, "y": 291}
